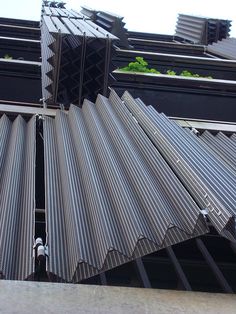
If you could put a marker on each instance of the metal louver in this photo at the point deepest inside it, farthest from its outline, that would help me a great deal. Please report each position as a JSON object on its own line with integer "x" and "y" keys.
{"x": 17, "y": 185}
{"x": 76, "y": 57}
{"x": 201, "y": 30}
{"x": 110, "y": 195}
{"x": 209, "y": 180}
{"x": 111, "y": 22}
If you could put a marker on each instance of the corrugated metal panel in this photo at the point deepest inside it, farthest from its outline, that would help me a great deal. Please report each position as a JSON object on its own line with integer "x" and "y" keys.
{"x": 211, "y": 183}
{"x": 76, "y": 57}
{"x": 225, "y": 48}
{"x": 222, "y": 145}
{"x": 110, "y": 196}
{"x": 17, "y": 187}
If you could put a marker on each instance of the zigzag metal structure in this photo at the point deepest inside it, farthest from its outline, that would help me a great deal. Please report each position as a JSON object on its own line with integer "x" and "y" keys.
{"x": 76, "y": 56}
{"x": 111, "y": 22}
{"x": 109, "y": 192}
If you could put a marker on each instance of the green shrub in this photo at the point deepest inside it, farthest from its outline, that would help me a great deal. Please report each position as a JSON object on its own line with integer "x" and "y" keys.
{"x": 140, "y": 65}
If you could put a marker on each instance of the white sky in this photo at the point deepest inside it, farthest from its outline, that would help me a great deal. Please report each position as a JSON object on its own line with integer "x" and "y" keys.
{"x": 152, "y": 16}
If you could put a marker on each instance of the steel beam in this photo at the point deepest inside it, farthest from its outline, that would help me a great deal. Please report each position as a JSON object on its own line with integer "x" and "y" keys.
{"x": 142, "y": 273}
{"x": 179, "y": 271}
{"x": 215, "y": 269}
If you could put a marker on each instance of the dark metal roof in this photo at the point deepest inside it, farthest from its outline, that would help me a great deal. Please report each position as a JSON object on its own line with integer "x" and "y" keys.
{"x": 75, "y": 59}
{"x": 225, "y": 48}
{"x": 110, "y": 195}
{"x": 17, "y": 182}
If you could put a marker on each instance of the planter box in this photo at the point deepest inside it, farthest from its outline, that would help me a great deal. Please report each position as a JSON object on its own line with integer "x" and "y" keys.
{"x": 217, "y": 68}
{"x": 181, "y": 96}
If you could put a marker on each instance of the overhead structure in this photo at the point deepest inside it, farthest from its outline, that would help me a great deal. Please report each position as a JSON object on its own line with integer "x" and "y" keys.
{"x": 111, "y": 22}
{"x": 225, "y": 48}
{"x": 17, "y": 182}
{"x": 76, "y": 56}
{"x": 201, "y": 30}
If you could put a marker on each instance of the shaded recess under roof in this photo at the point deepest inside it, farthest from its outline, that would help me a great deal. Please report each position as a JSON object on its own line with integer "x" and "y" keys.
{"x": 201, "y": 30}
{"x": 17, "y": 191}
{"x": 225, "y": 48}
{"x": 76, "y": 57}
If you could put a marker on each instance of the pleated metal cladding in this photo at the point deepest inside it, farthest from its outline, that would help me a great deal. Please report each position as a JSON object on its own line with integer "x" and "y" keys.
{"x": 17, "y": 190}
{"x": 207, "y": 178}
{"x": 110, "y": 196}
{"x": 223, "y": 146}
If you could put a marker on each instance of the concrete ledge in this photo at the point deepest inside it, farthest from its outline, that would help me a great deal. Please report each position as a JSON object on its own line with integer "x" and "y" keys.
{"x": 35, "y": 297}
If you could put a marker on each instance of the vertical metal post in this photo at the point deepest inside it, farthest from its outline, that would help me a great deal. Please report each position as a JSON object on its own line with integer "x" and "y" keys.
{"x": 215, "y": 269}
{"x": 142, "y": 273}
{"x": 103, "y": 279}
{"x": 179, "y": 270}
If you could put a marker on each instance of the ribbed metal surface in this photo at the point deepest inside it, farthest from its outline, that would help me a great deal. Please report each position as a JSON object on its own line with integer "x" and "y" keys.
{"x": 76, "y": 56}
{"x": 208, "y": 179}
{"x": 201, "y": 30}
{"x": 109, "y": 21}
{"x": 17, "y": 186}
{"x": 191, "y": 28}
{"x": 222, "y": 146}
{"x": 225, "y": 48}
{"x": 110, "y": 196}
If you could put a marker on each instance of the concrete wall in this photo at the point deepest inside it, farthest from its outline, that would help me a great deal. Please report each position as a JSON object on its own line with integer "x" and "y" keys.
{"x": 35, "y": 297}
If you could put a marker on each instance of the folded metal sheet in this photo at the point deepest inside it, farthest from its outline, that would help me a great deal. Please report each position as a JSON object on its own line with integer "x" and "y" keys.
{"x": 222, "y": 146}
{"x": 110, "y": 195}
{"x": 110, "y": 22}
{"x": 208, "y": 179}
{"x": 76, "y": 56}
{"x": 17, "y": 187}
{"x": 225, "y": 48}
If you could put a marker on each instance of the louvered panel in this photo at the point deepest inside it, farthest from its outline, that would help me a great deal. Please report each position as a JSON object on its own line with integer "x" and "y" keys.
{"x": 201, "y": 30}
